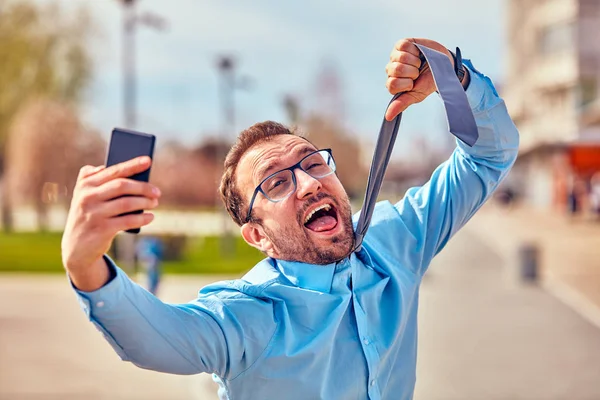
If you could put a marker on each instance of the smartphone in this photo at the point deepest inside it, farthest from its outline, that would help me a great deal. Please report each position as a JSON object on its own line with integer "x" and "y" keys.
{"x": 125, "y": 145}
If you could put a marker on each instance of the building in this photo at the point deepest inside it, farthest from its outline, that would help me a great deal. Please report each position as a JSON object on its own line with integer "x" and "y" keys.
{"x": 552, "y": 92}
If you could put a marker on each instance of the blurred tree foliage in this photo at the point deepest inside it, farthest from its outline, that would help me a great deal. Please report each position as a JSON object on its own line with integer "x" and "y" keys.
{"x": 43, "y": 53}
{"x": 197, "y": 171}
{"x": 46, "y": 147}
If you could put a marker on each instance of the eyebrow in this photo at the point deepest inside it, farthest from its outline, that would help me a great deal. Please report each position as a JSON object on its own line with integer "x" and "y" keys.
{"x": 266, "y": 171}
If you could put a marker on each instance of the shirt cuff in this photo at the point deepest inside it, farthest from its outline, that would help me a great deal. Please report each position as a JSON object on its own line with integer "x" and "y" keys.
{"x": 498, "y": 137}
{"x": 480, "y": 90}
{"x": 103, "y": 299}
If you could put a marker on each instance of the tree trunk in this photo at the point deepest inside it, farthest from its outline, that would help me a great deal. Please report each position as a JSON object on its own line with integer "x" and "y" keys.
{"x": 5, "y": 208}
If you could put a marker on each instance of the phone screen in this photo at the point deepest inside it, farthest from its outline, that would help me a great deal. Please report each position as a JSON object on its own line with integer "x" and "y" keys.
{"x": 126, "y": 145}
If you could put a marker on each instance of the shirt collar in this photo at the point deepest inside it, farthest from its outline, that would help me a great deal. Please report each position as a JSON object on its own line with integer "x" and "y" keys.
{"x": 308, "y": 276}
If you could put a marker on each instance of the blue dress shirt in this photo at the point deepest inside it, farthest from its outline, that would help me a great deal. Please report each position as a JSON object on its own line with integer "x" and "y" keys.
{"x": 289, "y": 330}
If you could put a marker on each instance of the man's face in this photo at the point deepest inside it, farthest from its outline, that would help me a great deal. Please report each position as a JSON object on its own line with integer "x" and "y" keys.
{"x": 283, "y": 230}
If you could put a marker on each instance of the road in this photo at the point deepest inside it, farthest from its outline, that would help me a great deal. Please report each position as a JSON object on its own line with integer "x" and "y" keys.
{"x": 481, "y": 337}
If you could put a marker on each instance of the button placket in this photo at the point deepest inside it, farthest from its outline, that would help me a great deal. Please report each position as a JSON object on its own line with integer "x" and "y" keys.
{"x": 364, "y": 335}
{"x": 369, "y": 351}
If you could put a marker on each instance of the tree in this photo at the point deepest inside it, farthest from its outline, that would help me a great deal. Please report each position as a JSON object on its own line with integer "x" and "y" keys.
{"x": 292, "y": 109}
{"x": 189, "y": 177}
{"x": 43, "y": 53}
{"x": 46, "y": 147}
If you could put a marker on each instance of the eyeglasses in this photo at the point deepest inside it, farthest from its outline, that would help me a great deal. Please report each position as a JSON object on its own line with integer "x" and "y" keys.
{"x": 281, "y": 184}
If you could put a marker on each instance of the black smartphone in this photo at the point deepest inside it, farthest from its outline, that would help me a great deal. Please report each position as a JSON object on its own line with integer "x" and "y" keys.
{"x": 125, "y": 145}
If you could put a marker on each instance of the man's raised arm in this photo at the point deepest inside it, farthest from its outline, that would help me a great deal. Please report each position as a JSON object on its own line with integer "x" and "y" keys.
{"x": 207, "y": 335}
{"x": 461, "y": 185}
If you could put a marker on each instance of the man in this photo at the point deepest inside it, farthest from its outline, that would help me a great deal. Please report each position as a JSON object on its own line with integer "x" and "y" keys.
{"x": 314, "y": 320}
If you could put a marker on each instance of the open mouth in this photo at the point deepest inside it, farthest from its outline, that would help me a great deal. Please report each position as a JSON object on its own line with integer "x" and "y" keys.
{"x": 322, "y": 218}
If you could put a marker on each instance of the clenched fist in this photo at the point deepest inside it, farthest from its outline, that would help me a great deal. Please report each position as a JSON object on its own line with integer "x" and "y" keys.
{"x": 407, "y": 75}
{"x": 95, "y": 218}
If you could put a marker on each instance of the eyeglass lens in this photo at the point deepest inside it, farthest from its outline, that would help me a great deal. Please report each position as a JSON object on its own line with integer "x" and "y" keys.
{"x": 280, "y": 185}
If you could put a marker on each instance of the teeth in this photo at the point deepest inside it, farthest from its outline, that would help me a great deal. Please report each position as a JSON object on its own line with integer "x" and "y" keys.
{"x": 326, "y": 207}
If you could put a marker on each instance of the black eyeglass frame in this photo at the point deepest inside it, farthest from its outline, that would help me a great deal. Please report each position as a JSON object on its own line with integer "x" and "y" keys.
{"x": 292, "y": 169}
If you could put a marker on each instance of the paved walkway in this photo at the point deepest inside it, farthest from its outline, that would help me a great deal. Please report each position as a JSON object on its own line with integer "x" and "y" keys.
{"x": 49, "y": 351}
{"x": 569, "y": 262}
{"x": 480, "y": 338}
{"x": 484, "y": 336}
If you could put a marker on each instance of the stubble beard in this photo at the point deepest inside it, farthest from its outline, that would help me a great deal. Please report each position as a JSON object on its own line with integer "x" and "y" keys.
{"x": 292, "y": 245}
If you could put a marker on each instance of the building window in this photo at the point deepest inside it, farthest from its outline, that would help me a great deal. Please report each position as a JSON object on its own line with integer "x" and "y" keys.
{"x": 556, "y": 38}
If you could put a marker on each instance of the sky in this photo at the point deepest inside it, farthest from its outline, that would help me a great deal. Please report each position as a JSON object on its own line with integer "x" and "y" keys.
{"x": 281, "y": 47}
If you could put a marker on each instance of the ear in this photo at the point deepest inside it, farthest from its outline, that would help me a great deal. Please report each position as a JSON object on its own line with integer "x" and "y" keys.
{"x": 255, "y": 236}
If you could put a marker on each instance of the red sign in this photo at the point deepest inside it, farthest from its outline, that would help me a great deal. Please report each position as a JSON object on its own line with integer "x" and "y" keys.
{"x": 585, "y": 159}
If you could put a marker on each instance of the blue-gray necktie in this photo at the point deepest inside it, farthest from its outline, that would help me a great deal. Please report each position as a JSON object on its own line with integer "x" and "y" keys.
{"x": 461, "y": 124}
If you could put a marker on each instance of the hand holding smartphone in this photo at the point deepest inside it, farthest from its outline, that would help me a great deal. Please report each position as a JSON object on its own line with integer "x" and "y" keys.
{"x": 125, "y": 145}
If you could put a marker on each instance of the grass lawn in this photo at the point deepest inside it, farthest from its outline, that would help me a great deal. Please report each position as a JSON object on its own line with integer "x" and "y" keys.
{"x": 31, "y": 252}
{"x": 207, "y": 255}
{"x": 40, "y": 252}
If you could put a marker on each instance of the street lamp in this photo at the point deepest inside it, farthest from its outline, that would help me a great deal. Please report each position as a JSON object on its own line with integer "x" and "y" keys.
{"x": 130, "y": 21}
{"x": 229, "y": 82}
{"x": 226, "y": 64}
{"x": 126, "y": 243}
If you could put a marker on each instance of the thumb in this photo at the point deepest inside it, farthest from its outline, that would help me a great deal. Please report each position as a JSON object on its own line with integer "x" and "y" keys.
{"x": 397, "y": 106}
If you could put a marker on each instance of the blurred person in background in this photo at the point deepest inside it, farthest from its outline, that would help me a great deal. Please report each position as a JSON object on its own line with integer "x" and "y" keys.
{"x": 576, "y": 197}
{"x": 595, "y": 195}
{"x": 315, "y": 319}
{"x": 572, "y": 198}
{"x": 149, "y": 253}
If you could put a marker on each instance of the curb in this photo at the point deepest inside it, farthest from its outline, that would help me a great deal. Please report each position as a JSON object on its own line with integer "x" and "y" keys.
{"x": 572, "y": 299}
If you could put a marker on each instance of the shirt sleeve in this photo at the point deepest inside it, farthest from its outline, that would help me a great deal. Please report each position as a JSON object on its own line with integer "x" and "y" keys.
{"x": 223, "y": 331}
{"x": 462, "y": 184}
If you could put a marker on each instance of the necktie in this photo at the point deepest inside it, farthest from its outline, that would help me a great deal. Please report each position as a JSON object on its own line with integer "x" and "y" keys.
{"x": 461, "y": 123}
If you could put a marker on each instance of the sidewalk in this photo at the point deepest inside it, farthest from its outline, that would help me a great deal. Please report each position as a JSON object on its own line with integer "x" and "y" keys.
{"x": 569, "y": 262}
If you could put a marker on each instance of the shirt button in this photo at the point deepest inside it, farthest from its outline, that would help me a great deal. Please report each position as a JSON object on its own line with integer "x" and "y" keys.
{"x": 373, "y": 382}
{"x": 366, "y": 341}
{"x": 100, "y": 304}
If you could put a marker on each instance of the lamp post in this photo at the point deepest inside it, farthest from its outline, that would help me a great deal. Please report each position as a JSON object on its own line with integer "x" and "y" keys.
{"x": 128, "y": 54}
{"x": 226, "y": 66}
{"x": 131, "y": 19}
{"x": 228, "y": 83}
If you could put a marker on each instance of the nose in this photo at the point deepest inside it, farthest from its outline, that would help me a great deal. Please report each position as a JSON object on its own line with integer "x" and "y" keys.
{"x": 306, "y": 185}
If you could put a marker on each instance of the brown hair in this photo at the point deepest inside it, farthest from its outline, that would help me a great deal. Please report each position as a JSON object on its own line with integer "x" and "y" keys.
{"x": 230, "y": 194}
